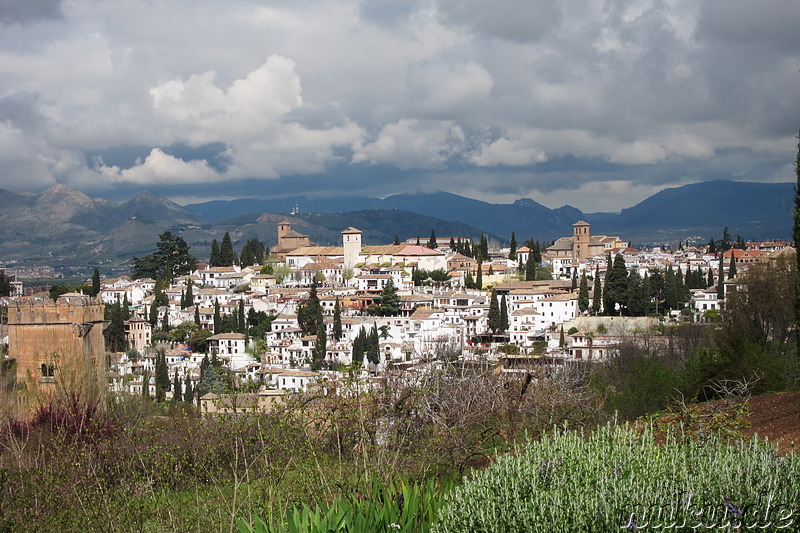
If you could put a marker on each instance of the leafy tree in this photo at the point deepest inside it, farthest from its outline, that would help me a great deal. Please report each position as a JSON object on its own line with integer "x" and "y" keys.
{"x": 227, "y": 256}
{"x": 337, "y": 321}
{"x": 95, "y": 282}
{"x": 170, "y": 260}
{"x": 512, "y": 250}
{"x": 390, "y": 301}
{"x": 583, "y": 294}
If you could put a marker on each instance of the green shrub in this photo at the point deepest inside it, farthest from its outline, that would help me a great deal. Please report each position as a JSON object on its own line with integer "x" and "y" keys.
{"x": 403, "y": 507}
{"x": 619, "y": 477}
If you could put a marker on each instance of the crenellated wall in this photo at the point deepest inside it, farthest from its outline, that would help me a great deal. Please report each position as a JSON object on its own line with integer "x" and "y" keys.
{"x": 59, "y": 348}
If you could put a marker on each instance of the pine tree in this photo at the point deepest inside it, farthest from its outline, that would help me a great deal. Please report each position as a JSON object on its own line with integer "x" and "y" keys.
{"x": 503, "y": 314}
{"x": 583, "y": 294}
{"x": 390, "y": 301}
{"x": 494, "y": 313}
{"x": 337, "y": 321}
{"x": 215, "y": 259}
{"x": 512, "y": 249}
{"x": 310, "y": 312}
{"x": 95, "y": 282}
{"x": 732, "y": 267}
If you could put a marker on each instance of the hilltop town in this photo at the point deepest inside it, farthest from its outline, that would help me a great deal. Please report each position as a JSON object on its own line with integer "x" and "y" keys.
{"x": 336, "y": 318}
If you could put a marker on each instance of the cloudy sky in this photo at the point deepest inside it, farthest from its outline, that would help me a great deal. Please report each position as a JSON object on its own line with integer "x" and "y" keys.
{"x": 595, "y": 103}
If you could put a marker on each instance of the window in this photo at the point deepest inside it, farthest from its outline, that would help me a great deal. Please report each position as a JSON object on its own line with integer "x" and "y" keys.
{"x": 48, "y": 373}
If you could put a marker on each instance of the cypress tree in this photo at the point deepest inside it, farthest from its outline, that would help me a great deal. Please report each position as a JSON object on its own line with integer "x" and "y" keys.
{"x": 646, "y": 293}
{"x": 512, "y": 249}
{"x": 188, "y": 393}
{"x": 494, "y": 313}
{"x": 530, "y": 268}
{"x": 126, "y": 308}
{"x": 479, "y": 277}
{"x": 165, "y": 320}
{"x": 217, "y": 318}
{"x": 484, "y": 247}
{"x": 452, "y": 244}
{"x": 503, "y": 314}
{"x": 637, "y": 300}
{"x": 597, "y": 295}
{"x": 732, "y": 267}
{"x": 710, "y": 280}
{"x": 574, "y": 280}
{"x": 240, "y": 318}
{"x": 721, "y": 280}
{"x": 197, "y": 315}
{"x": 215, "y": 259}
{"x": 373, "y": 345}
{"x": 396, "y": 241}
{"x": 359, "y": 348}
{"x": 670, "y": 289}
{"x": 432, "y": 241}
{"x": 95, "y": 282}
{"x": 183, "y": 299}
{"x": 561, "y": 339}
{"x": 227, "y": 255}
{"x": 583, "y": 294}
{"x": 153, "y": 318}
{"x": 337, "y": 321}
{"x": 162, "y": 376}
{"x": 177, "y": 392}
{"x": 320, "y": 347}
{"x": 190, "y": 294}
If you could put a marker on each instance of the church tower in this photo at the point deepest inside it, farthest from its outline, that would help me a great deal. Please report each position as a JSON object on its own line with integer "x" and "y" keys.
{"x": 351, "y": 239}
{"x": 581, "y": 236}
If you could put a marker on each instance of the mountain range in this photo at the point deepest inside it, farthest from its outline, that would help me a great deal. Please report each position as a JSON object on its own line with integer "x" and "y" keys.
{"x": 63, "y": 226}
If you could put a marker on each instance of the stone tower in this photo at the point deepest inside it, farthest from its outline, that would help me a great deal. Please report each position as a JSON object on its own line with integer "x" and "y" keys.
{"x": 351, "y": 240}
{"x": 58, "y": 348}
{"x": 284, "y": 228}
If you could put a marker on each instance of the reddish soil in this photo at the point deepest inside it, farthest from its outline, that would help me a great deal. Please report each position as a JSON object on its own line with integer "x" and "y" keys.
{"x": 777, "y": 417}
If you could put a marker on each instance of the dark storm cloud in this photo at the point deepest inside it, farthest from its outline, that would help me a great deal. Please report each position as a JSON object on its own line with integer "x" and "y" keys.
{"x": 26, "y": 11}
{"x": 515, "y": 20}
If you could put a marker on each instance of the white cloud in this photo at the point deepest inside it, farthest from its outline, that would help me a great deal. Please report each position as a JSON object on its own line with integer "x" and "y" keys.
{"x": 413, "y": 144}
{"x": 159, "y": 167}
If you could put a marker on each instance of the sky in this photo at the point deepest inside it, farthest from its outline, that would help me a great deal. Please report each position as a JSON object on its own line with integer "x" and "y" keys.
{"x": 592, "y": 103}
